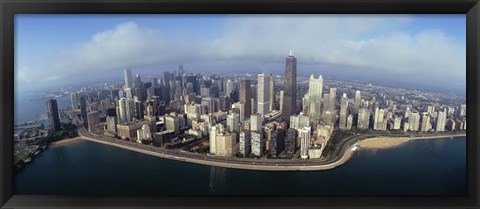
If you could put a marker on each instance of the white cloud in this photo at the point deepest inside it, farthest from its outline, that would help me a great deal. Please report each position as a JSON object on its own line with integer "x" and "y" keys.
{"x": 327, "y": 40}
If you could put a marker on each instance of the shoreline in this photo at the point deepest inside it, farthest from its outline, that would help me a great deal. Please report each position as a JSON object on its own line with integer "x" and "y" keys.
{"x": 256, "y": 165}
{"x": 392, "y": 142}
{"x": 308, "y": 165}
{"x": 67, "y": 141}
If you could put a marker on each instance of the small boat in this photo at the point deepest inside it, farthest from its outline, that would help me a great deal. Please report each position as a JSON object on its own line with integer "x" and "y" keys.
{"x": 28, "y": 160}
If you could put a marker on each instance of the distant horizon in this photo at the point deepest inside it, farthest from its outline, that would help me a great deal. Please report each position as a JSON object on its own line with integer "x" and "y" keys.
{"x": 119, "y": 78}
{"x": 428, "y": 51}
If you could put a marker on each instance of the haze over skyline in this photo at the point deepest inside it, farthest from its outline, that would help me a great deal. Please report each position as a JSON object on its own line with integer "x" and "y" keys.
{"x": 426, "y": 51}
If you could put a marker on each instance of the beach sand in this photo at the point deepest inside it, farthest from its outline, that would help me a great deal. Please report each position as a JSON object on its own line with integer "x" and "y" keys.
{"x": 66, "y": 141}
{"x": 383, "y": 142}
{"x": 389, "y": 142}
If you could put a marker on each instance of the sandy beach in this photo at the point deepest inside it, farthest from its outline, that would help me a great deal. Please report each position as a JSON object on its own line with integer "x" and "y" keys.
{"x": 390, "y": 142}
{"x": 66, "y": 141}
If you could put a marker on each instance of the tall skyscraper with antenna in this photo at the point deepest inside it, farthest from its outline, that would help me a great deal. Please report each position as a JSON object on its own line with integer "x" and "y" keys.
{"x": 290, "y": 91}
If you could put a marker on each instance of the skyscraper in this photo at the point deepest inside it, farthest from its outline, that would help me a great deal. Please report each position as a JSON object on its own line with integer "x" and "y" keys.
{"x": 357, "y": 102}
{"x": 305, "y": 135}
{"x": 233, "y": 122}
{"x": 256, "y": 122}
{"x": 127, "y": 73}
{"x": 343, "y": 112}
{"x": 272, "y": 92}
{"x": 314, "y": 96}
{"x": 258, "y": 143}
{"x": 213, "y": 138}
{"x": 83, "y": 111}
{"x": 291, "y": 141}
{"x": 414, "y": 121}
{"x": 333, "y": 101}
{"x": 441, "y": 121}
{"x": 228, "y": 88}
{"x": 53, "y": 117}
{"x": 263, "y": 94}
{"x": 363, "y": 118}
{"x": 74, "y": 100}
{"x": 246, "y": 98}
{"x": 290, "y": 91}
{"x": 425, "y": 122}
{"x": 245, "y": 143}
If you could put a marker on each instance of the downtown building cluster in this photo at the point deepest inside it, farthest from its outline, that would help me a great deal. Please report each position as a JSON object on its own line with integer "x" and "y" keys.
{"x": 252, "y": 117}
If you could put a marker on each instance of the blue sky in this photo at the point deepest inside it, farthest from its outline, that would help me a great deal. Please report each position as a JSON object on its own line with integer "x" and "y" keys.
{"x": 53, "y": 49}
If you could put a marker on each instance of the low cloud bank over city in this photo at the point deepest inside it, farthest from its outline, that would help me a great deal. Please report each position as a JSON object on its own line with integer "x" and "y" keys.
{"x": 365, "y": 45}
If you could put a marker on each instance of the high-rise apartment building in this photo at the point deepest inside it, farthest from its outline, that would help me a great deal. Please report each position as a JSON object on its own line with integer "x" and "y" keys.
{"x": 441, "y": 121}
{"x": 305, "y": 135}
{"x": 363, "y": 118}
{"x": 233, "y": 122}
{"x": 53, "y": 117}
{"x": 414, "y": 121}
{"x": 425, "y": 122}
{"x": 245, "y": 143}
{"x": 291, "y": 141}
{"x": 258, "y": 143}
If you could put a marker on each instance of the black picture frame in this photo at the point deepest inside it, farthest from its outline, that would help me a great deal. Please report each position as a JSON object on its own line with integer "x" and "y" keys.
{"x": 8, "y": 9}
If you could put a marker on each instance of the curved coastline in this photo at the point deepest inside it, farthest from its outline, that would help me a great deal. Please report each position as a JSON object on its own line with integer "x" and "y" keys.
{"x": 345, "y": 153}
{"x": 392, "y": 142}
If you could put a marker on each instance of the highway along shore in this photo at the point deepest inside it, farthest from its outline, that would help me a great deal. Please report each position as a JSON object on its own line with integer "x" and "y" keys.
{"x": 342, "y": 153}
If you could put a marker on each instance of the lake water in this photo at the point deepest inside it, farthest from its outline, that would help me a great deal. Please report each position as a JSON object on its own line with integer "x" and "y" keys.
{"x": 421, "y": 167}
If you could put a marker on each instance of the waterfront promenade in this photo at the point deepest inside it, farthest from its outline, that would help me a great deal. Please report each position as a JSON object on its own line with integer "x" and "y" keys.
{"x": 344, "y": 152}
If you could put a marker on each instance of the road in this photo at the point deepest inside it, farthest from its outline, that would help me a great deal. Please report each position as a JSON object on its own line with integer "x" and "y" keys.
{"x": 339, "y": 157}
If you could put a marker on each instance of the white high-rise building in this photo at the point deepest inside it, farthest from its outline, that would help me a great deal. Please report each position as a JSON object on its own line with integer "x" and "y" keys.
{"x": 333, "y": 101}
{"x": 213, "y": 139}
{"x": 228, "y": 88}
{"x": 305, "y": 135}
{"x": 313, "y": 98}
{"x": 127, "y": 73}
{"x": 233, "y": 122}
{"x": 349, "y": 122}
{"x": 425, "y": 122}
{"x": 397, "y": 123}
{"x": 379, "y": 122}
{"x": 414, "y": 121}
{"x": 363, "y": 118}
{"x": 126, "y": 110}
{"x": 462, "y": 110}
{"x": 441, "y": 121}
{"x": 343, "y": 112}
{"x": 299, "y": 121}
{"x": 256, "y": 122}
{"x": 263, "y": 95}
{"x": 272, "y": 92}
{"x": 74, "y": 100}
{"x": 357, "y": 102}
{"x": 144, "y": 133}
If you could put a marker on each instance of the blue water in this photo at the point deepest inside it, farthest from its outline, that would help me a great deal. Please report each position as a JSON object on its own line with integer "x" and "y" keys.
{"x": 26, "y": 109}
{"x": 422, "y": 167}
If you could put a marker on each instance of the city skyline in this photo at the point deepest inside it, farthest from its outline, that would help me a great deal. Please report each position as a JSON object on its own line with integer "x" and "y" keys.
{"x": 334, "y": 51}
